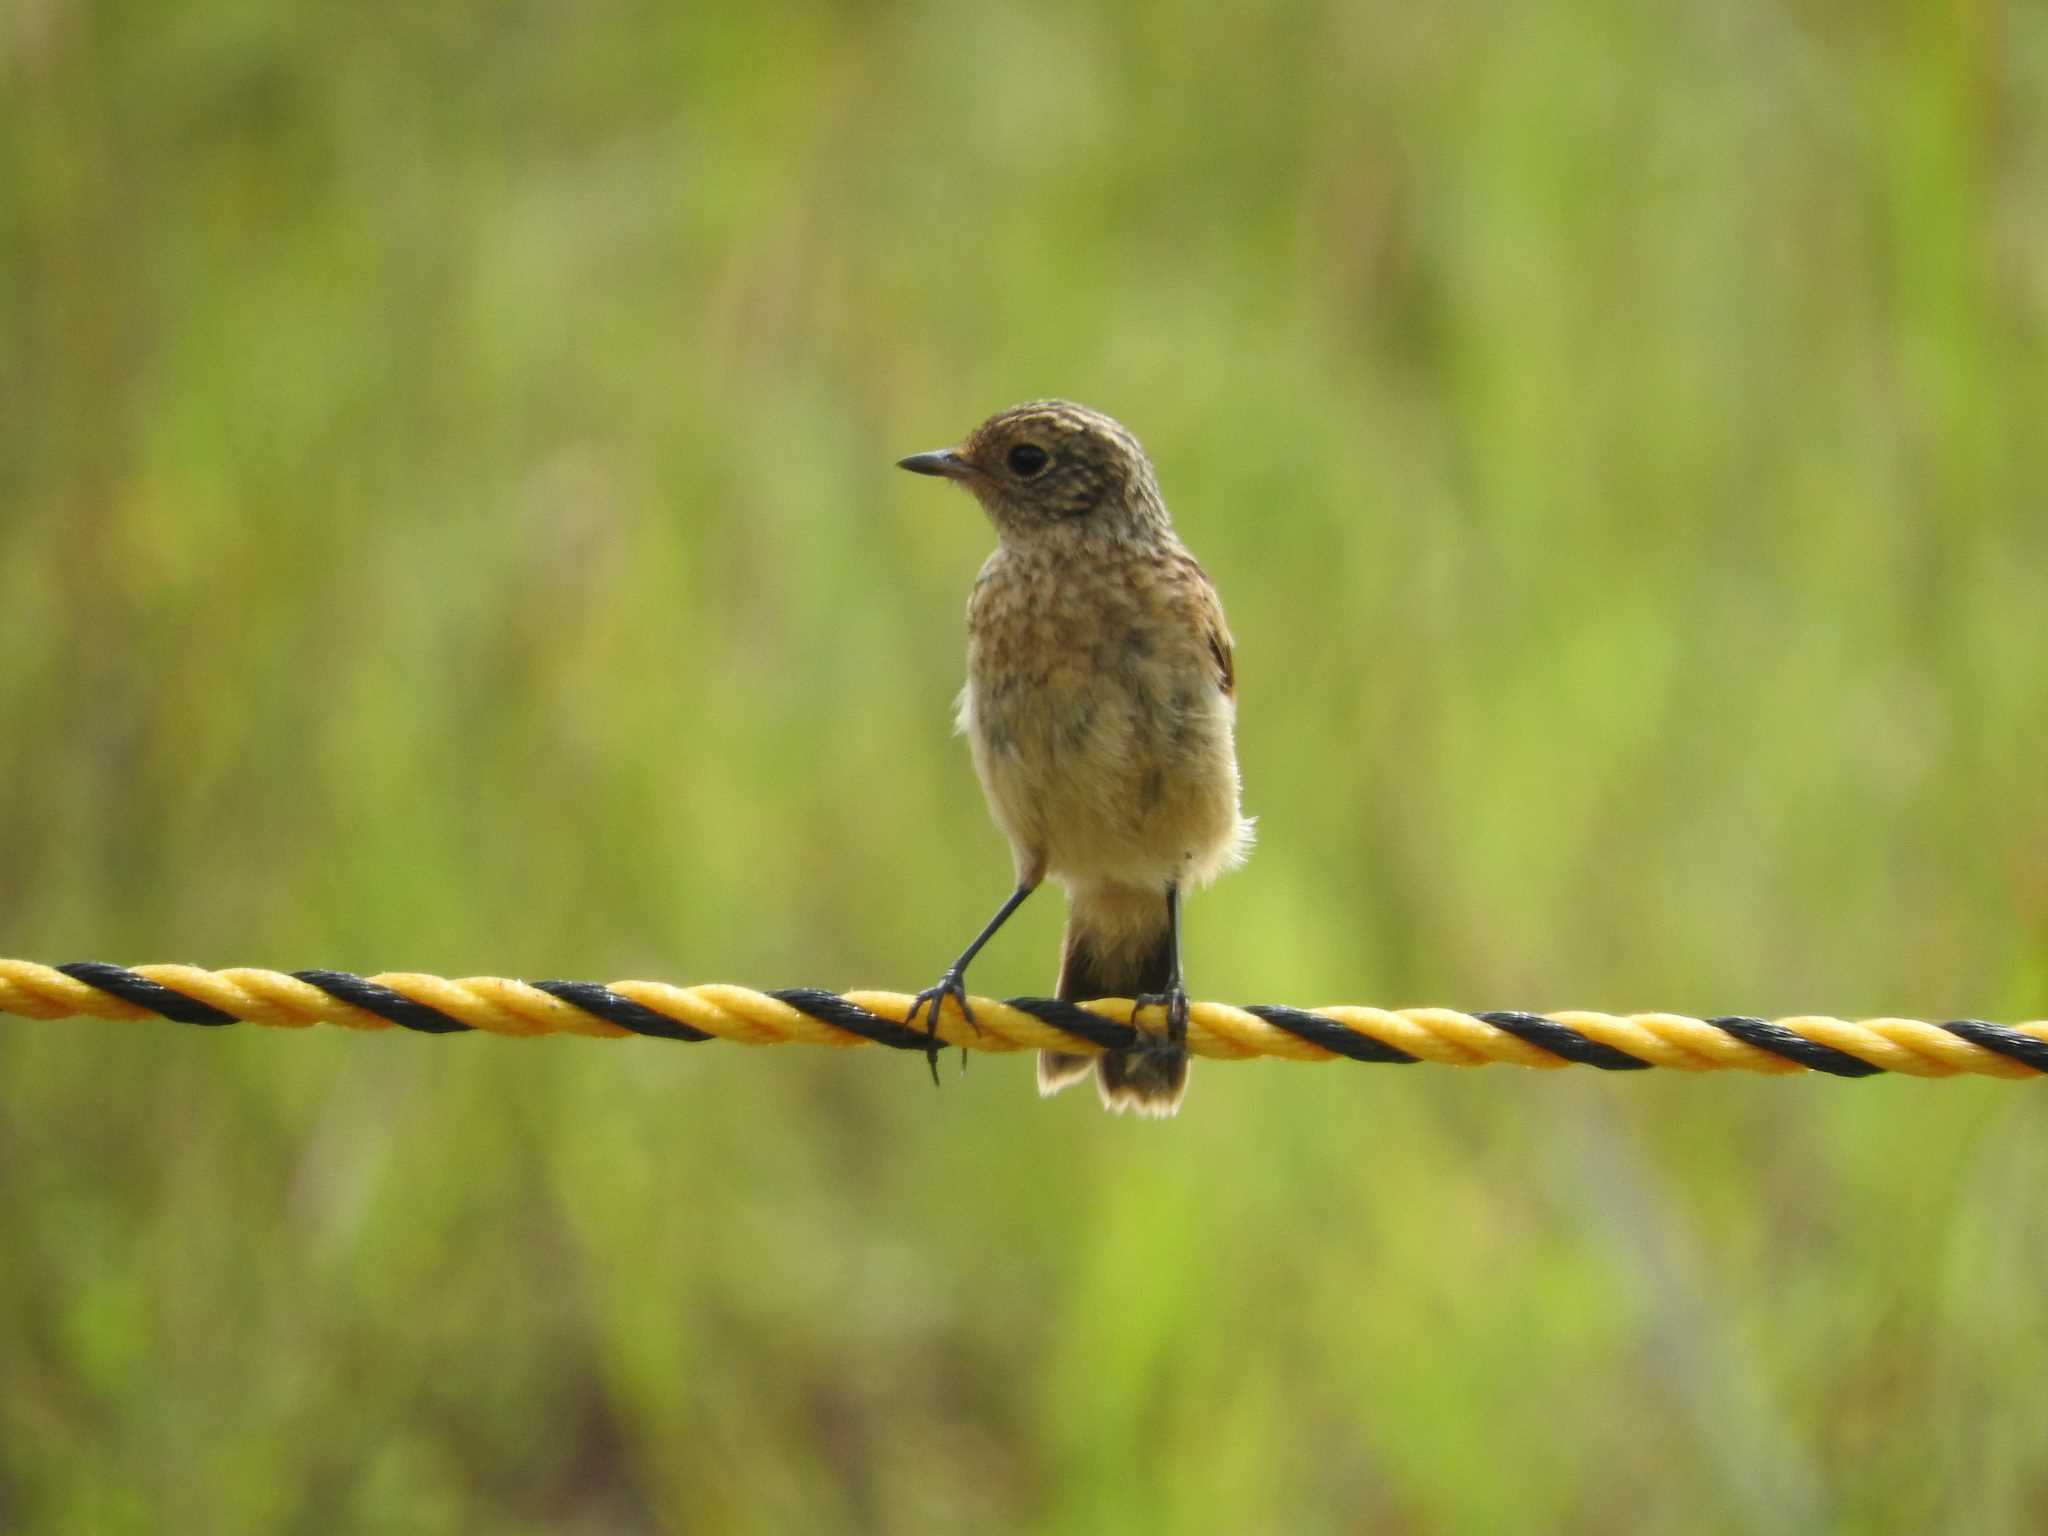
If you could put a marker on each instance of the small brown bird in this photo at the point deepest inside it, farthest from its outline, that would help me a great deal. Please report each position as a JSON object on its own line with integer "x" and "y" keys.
{"x": 1099, "y": 704}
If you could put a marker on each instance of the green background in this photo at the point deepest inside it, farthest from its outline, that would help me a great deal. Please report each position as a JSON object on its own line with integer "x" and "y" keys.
{"x": 447, "y": 523}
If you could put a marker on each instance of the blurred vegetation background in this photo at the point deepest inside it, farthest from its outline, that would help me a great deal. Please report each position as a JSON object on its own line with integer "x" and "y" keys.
{"x": 447, "y": 523}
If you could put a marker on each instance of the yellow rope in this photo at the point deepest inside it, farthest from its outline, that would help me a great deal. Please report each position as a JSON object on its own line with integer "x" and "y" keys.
{"x": 500, "y": 1006}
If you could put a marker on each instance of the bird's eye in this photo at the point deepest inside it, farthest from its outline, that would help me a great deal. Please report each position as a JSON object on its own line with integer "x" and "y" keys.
{"x": 1027, "y": 459}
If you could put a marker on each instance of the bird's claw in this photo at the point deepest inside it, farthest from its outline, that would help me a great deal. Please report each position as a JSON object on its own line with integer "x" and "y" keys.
{"x": 1175, "y": 1002}
{"x": 952, "y": 985}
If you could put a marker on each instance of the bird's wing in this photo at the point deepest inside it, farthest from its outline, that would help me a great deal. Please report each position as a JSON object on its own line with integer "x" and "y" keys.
{"x": 1219, "y": 647}
{"x": 1205, "y": 610}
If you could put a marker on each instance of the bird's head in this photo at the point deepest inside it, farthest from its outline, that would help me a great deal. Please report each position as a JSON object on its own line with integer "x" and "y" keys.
{"x": 1051, "y": 468}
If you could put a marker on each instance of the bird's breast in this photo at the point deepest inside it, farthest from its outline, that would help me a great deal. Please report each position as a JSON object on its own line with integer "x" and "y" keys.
{"x": 1098, "y": 729}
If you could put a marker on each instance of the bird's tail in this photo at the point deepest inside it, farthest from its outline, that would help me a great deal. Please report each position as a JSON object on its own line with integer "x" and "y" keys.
{"x": 1119, "y": 943}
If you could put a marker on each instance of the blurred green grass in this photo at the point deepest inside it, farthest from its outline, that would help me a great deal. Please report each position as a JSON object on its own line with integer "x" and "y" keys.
{"x": 446, "y": 523}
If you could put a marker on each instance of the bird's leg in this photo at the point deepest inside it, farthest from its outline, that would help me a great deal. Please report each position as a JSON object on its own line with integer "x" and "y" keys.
{"x": 953, "y": 983}
{"x": 1175, "y": 997}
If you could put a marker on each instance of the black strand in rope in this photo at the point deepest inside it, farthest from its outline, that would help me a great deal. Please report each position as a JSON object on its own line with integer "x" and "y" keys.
{"x": 1331, "y": 1035}
{"x": 382, "y": 1001}
{"x": 831, "y": 1008}
{"x": 1780, "y": 1041}
{"x": 601, "y": 1002}
{"x": 1563, "y": 1041}
{"x": 2007, "y": 1042}
{"x": 1076, "y": 1020}
{"x": 118, "y": 981}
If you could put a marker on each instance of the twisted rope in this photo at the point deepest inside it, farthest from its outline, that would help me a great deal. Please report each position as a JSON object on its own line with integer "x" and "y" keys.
{"x": 437, "y": 1005}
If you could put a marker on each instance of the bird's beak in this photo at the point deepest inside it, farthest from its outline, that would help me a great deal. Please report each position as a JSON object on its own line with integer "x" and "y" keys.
{"x": 946, "y": 463}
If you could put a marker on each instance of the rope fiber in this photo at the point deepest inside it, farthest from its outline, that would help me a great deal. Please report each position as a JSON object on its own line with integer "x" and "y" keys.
{"x": 436, "y": 1005}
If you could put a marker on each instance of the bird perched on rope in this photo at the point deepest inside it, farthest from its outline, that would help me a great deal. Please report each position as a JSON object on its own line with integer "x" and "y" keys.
{"x": 1100, "y": 702}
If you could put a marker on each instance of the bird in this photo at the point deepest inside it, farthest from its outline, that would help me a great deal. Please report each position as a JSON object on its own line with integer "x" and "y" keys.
{"x": 1100, "y": 710}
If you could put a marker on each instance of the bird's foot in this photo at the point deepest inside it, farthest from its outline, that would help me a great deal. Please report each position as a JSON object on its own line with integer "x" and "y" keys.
{"x": 953, "y": 984}
{"x": 1175, "y": 1002}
